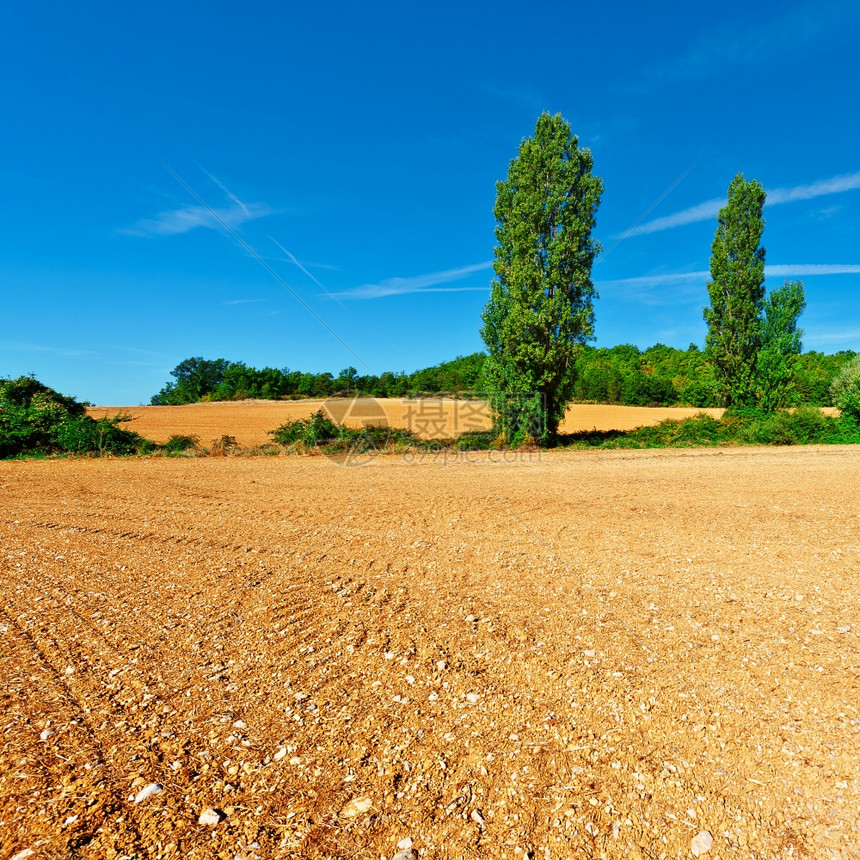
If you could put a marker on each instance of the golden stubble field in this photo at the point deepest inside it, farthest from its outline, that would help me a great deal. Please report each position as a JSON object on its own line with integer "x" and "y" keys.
{"x": 583, "y": 654}
{"x": 250, "y": 420}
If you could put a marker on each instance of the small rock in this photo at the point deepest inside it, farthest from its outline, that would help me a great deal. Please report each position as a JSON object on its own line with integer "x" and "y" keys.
{"x": 477, "y": 818}
{"x": 472, "y": 697}
{"x": 590, "y": 653}
{"x": 356, "y": 806}
{"x": 147, "y": 791}
{"x": 23, "y": 855}
{"x": 845, "y": 628}
{"x": 210, "y": 817}
{"x": 282, "y": 751}
{"x": 295, "y": 760}
{"x": 441, "y": 665}
{"x": 47, "y": 733}
{"x": 228, "y": 786}
{"x": 403, "y": 844}
{"x": 240, "y": 724}
{"x": 702, "y": 843}
{"x": 406, "y": 854}
{"x": 470, "y": 619}
{"x": 70, "y": 670}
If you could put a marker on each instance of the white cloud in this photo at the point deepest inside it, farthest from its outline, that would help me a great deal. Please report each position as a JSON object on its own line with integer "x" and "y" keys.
{"x": 21, "y": 346}
{"x": 417, "y": 284}
{"x": 701, "y": 212}
{"x": 850, "y": 338}
{"x": 799, "y": 271}
{"x": 175, "y": 221}
{"x": 244, "y": 302}
{"x": 837, "y": 184}
{"x": 710, "y": 208}
{"x": 646, "y": 282}
{"x": 654, "y": 280}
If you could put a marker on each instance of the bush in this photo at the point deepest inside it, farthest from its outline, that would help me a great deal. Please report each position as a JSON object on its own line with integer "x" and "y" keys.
{"x": 806, "y": 425}
{"x": 35, "y": 419}
{"x": 845, "y": 388}
{"x": 178, "y": 443}
{"x": 319, "y": 431}
{"x": 100, "y": 436}
{"x": 316, "y": 429}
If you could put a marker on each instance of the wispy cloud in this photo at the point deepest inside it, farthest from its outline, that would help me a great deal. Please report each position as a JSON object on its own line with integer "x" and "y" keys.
{"x": 709, "y": 209}
{"x": 175, "y": 221}
{"x": 648, "y": 281}
{"x": 799, "y": 271}
{"x": 846, "y": 182}
{"x": 795, "y": 270}
{"x": 172, "y": 222}
{"x": 801, "y": 28}
{"x": 292, "y": 258}
{"x": 849, "y": 337}
{"x": 417, "y": 284}
{"x": 244, "y": 302}
{"x": 21, "y": 346}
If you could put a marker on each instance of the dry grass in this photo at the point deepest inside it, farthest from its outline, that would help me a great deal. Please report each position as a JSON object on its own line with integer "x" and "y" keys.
{"x": 591, "y": 654}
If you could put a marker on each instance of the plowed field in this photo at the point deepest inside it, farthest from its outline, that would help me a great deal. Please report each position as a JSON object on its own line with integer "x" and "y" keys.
{"x": 593, "y": 654}
{"x": 250, "y": 420}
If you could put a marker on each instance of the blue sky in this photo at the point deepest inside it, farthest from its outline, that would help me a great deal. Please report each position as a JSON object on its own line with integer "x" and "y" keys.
{"x": 353, "y": 150}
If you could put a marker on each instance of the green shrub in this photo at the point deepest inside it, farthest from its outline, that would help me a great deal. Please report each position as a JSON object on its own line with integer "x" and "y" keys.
{"x": 806, "y": 425}
{"x": 310, "y": 432}
{"x": 178, "y": 443}
{"x": 86, "y": 435}
{"x": 35, "y": 419}
{"x": 320, "y": 432}
{"x": 845, "y": 388}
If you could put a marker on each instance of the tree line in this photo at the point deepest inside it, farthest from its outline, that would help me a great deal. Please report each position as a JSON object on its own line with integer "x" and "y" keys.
{"x": 540, "y": 314}
{"x": 658, "y": 376}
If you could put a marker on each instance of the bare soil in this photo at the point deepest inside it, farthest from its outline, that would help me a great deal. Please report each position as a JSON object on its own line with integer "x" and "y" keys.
{"x": 250, "y": 420}
{"x": 581, "y": 654}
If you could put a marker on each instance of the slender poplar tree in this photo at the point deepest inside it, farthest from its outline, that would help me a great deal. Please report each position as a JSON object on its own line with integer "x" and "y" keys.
{"x": 541, "y": 307}
{"x": 736, "y": 289}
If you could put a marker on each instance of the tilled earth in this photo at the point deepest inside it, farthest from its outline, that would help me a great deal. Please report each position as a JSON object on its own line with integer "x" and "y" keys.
{"x": 595, "y": 654}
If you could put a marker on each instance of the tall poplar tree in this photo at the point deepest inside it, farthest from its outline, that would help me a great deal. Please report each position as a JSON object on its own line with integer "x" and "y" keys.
{"x": 737, "y": 293}
{"x": 541, "y": 307}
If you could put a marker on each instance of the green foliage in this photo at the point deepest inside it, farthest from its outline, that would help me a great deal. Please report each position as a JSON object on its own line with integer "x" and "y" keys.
{"x": 35, "y": 419}
{"x": 736, "y": 290}
{"x": 845, "y": 389}
{"x": 312, "y": 431}
{"x": 658, "y": 376}
{"x": 320, "y": 432}
{"x": 540, "y": 310}
{"x": 200, "y": 379}
{"x": 740, "y": 426}
{"x": 179, "y": 443}
{"x": 196, "y": 378}
{"x": 776, "y": 364}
